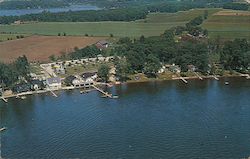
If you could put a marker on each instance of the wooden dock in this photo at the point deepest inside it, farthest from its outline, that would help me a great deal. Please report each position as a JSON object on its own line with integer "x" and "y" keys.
{"x": 106, "y": 94}
{"x": 53, "y": 93}
{"x": 198, "y": 75}
{"x": 5, "y": 100}
{"x": 184, "y": 80}
{"x": 216, "y": 78}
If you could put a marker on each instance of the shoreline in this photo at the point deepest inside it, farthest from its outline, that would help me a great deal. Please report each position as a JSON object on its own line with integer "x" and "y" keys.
{"x": 187, "y": 78}
{"x": 19, "y": 95}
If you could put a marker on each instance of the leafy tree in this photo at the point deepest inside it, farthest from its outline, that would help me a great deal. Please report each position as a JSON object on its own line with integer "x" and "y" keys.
{"x": 122, "y": 69}
{"x": 52, "y": 58}
{"x": 152, "y": 65}
{"x": 205, "y": 14}
{"x": 103, "y": 72}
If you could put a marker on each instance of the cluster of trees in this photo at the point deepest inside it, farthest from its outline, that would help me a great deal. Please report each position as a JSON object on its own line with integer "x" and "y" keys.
{"x": 89, "y": 51}
{"x": 193, "y": 27}
{"x": 10, "y": 73}
{"x": 146, "y": 54}
{"x": 235, "y": 55}
{"x": 80, "y": 16}
{"x": 17, "y": 4}
{"x": 236, "y": 6}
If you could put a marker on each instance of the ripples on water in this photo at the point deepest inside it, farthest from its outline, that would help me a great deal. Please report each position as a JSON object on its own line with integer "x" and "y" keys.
{"x": 204, "y": 119}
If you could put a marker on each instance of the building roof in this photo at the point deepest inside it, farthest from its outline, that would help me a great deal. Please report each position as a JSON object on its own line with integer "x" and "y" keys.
{"x": 53, "y": 80}
{"x": 88, "y": 74}
{"x": 103, "y": 42}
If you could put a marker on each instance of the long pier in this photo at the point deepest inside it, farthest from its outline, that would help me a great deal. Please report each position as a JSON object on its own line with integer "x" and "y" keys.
{"x": 198, "y": 75}
{"x": 5, "y": 100}
{"x": 216, "y": 78}
{"x": 184, "y": 80}
{"x": 245, "y": 75}
{"x": 53, "y": 93}
{"x": 103, "y": 92}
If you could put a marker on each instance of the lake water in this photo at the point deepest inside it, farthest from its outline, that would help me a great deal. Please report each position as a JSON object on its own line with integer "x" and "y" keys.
{"x": 53, "y": 10}
{"x": 202, "y": 119}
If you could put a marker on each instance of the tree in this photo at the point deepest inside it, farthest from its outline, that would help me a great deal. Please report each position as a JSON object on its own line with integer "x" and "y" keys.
{"x": 103, "y": 72}
{"x": 205, "y": 14}
{"x": 52, "y": 57}
{"x": 152, "y": 65}
{"x": 122, "y": 69}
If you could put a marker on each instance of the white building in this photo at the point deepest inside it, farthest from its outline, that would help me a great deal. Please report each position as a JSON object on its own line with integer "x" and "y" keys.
{"x": 54, "y": 83}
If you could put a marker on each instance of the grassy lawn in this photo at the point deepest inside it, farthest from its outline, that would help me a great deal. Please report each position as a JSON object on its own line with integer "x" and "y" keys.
{"x": 5, "y": 37}
{"x": 227, "y": 26}
{"x": 79, "y": 69}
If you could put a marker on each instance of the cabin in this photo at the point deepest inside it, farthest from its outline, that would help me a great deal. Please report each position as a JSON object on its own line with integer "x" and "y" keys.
{"x": 37, "y": 85}
{"x": 191, "y": 68}
{"x": 89, "y": 76}
{"x": 20, "y": 88}
{"x": 174, "y": 68}
{"x": 102, "y": 44}
{"x": 59, "y": 69}
{"x": 54, "y": 83}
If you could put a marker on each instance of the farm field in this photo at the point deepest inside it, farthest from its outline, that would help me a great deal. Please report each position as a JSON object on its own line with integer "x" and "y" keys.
{"x": 154, "y": 24}
{"x": 220, "y": 22}
{"x": 39, "y": 48}
{"x": 229, "y": 24}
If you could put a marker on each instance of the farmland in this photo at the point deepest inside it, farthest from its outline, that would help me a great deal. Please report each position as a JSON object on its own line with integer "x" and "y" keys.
{"x": 220, "y": 22}
{"x": 39, "y": 48}
{"x": 229, "y": 24}
{"x": 154, "y": 24}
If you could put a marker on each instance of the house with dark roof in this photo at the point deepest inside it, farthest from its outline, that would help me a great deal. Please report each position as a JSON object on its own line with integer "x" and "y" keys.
{"x": 102, "y": 44}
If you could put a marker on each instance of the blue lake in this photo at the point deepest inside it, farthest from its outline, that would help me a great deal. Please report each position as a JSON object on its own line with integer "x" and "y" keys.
{"x": 53, "y": 10}
{"x": 201, "y": 119}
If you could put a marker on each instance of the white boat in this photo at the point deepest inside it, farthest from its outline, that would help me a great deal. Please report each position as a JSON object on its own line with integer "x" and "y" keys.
{"x": 226, "y": 83}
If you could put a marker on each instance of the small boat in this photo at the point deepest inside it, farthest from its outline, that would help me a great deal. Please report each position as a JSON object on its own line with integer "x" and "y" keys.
{"x": 2, "y": 129}
{"x": 115, "y": 97}
{"x": 23, "y": 97}
{"x": 226, "y": 83}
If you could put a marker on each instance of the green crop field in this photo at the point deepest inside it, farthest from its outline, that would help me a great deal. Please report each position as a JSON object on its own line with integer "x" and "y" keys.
{"x": 227, "y": 26}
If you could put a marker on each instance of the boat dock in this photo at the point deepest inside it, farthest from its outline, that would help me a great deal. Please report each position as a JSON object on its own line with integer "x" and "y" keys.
{"x": 106, "y": 94}
{"x": 216, "y": 78}
{"x": 5, "y": 100}
{"x": 245, "y": 75}
{"x": 184, "y": 80}
{"x": 198, "y": 75}
{"x": 53, "y": 93}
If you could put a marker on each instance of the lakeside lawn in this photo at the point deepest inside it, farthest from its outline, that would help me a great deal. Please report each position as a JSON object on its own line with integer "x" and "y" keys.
{"x": 226, "y": 23}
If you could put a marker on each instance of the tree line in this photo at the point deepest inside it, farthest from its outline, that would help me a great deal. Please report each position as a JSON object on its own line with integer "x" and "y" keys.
{"x": 11, "y": 73}
{"x": 119, "y": 14}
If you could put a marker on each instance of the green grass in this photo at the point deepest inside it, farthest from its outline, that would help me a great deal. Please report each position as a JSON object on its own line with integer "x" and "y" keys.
{"x": 5, "y": 37}
{"x": 227, "y": 27}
